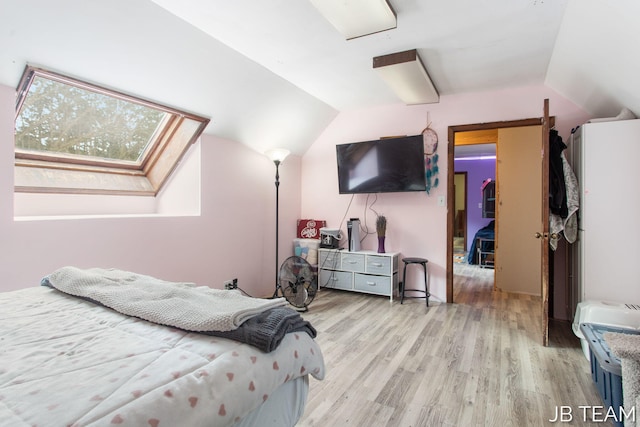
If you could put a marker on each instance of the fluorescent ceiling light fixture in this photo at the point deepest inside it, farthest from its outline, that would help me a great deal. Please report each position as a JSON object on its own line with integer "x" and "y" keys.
{"x": 357, "y": 18}
{"x": 405, "y": 73}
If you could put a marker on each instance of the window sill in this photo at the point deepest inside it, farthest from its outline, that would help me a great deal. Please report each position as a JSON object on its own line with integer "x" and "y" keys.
{"x": 89, "y": 217}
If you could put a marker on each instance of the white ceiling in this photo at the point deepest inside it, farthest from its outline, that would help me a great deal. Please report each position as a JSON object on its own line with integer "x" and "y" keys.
{"x": 275, "y": 73}
{"x": 466, "y": 45}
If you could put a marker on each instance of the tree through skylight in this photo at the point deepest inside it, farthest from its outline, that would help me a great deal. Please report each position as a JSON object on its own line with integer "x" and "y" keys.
{"x": 62, "y": 119}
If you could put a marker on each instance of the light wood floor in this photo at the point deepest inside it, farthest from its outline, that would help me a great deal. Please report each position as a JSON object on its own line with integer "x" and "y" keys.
{"x": 477, "y": 362}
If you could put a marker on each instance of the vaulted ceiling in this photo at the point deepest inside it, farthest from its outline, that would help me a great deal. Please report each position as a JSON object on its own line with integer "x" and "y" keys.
{"x": 274, "y": 72}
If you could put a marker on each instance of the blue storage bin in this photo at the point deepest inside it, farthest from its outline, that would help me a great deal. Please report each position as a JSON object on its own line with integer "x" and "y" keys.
{"x": 606, "y": 370}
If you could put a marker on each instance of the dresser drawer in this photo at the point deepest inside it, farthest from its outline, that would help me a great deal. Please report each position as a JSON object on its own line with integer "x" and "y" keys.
{"x": 377, "y": 264}
{"x": 372, "y": 284}
{"x": 336, "y": 279}
{"x": 352, "y": 262}
{"x": 329, "y": 258}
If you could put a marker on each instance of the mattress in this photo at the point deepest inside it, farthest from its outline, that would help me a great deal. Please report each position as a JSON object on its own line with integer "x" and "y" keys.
{"x": 68, "y": 361}
{"x": 284, "y": 407}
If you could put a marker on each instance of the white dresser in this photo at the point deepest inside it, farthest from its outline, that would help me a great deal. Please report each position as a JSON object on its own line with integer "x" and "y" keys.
{"x": 363, "y": 271}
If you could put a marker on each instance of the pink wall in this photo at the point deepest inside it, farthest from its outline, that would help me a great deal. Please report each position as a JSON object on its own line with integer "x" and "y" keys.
{"x": 416, "y": 224}
{"x": 233, "y": 236}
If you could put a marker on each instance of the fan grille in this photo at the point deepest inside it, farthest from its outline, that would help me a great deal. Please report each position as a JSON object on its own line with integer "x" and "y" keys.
{"x": 297, "y": 281}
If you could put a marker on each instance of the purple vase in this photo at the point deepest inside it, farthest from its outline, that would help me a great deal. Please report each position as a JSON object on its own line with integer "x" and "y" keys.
{"x": 381, "y": 245}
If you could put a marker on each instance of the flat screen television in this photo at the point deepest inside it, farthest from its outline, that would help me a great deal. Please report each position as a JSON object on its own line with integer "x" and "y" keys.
{"x": 381, "y": 166}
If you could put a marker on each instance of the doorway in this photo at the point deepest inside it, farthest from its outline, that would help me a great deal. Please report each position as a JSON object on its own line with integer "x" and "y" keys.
{"x": 453, "y": 130}
{"x": 476, "y": 161}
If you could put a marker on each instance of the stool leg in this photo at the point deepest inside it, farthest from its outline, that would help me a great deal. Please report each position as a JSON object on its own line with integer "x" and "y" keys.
{"x": 426, "y": 284}
{"x": 404, "y": 283}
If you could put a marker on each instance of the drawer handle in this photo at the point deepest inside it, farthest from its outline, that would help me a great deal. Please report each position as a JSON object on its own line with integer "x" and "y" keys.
{"x": 376, "y": 264}
{"x": 335, "y": 279}
{"x": 352, "y": 261}
{"x": 371, "y": 283}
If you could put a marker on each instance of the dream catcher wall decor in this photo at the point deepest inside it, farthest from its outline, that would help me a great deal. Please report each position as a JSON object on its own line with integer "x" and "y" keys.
{"x": 430, "y": 138}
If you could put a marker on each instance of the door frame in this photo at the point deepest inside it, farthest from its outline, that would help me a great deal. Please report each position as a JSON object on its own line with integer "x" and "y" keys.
{"x": 450, "y": 182}
{"x": 547, "y": 124}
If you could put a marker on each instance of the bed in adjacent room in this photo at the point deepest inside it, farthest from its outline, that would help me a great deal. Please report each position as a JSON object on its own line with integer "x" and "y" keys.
{"x": 67, "y": 357}
{"x": 483, "y": 244}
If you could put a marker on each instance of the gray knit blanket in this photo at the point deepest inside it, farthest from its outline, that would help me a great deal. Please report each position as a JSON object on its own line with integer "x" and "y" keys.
{"x": 181, "y": 305}
{"x": 267, "y": 329}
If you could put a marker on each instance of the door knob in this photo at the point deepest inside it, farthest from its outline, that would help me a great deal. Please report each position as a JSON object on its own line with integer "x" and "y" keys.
{"x": 539, "y": 235}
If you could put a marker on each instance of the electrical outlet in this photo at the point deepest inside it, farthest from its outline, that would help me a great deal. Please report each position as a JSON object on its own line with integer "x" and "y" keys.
{"x": 231, "y": 284}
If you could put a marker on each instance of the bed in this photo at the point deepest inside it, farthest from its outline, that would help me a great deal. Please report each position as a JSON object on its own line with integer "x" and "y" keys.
{"x": 482, "y": 247}
{"x": 72, "y": 360}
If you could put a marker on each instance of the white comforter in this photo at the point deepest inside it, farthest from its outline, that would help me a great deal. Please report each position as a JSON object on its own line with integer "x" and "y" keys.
{"x": 65, "y": 361}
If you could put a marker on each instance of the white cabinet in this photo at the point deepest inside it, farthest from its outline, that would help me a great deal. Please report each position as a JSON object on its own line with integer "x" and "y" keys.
{"x": 605, "y": 160}
{"x": 363, "y": 271}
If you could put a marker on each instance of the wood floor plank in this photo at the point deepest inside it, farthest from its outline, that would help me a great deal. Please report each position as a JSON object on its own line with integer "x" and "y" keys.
{"x": 477, "y": 362}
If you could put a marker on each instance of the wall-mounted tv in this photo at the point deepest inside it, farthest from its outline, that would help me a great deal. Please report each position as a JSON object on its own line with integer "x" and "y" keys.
{"x": 381, "y": 166}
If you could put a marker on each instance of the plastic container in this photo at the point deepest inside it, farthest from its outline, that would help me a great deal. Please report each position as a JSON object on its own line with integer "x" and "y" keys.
{"x": 604, "y": 313}
{"x": 606, "y": 369}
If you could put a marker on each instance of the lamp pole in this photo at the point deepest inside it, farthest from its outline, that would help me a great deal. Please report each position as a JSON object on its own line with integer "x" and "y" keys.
{"x": 277, "y": 155}
{"x": 277, "y": 163}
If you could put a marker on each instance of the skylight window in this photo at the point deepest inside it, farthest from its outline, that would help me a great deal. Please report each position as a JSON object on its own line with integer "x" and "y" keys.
{"x": 61, "y": 119}
{"x": 72, "y": 136}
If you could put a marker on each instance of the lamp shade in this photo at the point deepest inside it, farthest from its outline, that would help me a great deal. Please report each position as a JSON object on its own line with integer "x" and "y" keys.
{"x": 277, "y": 154}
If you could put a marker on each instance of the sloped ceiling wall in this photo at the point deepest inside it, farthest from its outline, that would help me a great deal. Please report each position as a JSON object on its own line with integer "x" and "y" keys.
{"x": 139, "y": 47}
{"x": 595, "y": 61}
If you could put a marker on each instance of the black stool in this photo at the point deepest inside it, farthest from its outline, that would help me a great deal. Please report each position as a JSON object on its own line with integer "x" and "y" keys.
{"x": 419, "y": 261}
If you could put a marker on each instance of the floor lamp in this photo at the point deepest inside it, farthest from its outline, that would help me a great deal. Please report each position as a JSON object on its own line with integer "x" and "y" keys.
{"x": 277, "y": 155}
